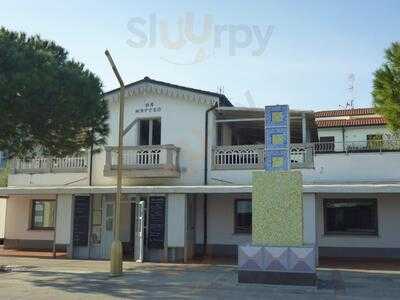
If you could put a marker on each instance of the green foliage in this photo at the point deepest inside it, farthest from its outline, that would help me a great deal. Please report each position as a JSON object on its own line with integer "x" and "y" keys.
{"x": 4, "y": 172}
{"x": 47, "y": 101}
{"x": 386, "y": 90}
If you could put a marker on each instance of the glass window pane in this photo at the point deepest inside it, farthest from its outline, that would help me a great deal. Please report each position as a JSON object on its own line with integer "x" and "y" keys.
{"x": 144, "y": 132}
{"x": 351, "y": 216}
{"x": 96, "y": 234}
{"x": 243, "y": 217}
{"x": 156, "y": 132}
{"x": 43, "y": 214}
{"x": 109, "y": 224}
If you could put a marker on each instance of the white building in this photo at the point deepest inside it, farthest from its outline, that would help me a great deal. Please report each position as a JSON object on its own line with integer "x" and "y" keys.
{"x": 189, "y": 155}
{"x": 356, "y": 129}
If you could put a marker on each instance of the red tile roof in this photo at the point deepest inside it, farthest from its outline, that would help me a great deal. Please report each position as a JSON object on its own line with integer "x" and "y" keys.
{"x": 351, "y": 122}
{"x": 344, "y": 112}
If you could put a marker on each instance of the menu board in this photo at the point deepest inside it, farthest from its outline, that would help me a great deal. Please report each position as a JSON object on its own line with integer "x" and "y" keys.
{"x": 81, "y": 221}
{"x": 156, "y": 225}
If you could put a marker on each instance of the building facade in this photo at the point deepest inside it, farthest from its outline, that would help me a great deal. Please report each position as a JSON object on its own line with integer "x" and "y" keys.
{"x": 188, "y": 161}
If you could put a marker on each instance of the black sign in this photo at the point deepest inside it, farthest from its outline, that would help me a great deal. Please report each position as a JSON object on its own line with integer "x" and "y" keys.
{"x": 156, "y": 223}
{"x": 81, "y": 221}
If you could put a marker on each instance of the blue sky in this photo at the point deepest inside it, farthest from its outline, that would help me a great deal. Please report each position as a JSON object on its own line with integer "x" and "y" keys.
{"x": 313, "y": 48}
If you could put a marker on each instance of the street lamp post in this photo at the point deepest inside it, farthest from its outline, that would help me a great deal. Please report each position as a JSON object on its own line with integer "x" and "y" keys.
{"x": 116, "y": 246}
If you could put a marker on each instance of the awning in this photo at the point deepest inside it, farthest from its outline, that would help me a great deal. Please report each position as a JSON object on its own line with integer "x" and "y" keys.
{"x": 337, "y": 188}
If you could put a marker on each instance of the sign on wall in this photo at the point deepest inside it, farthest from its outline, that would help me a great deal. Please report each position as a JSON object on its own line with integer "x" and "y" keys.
{"x": 156, "y": 223}
{"x": 277, "y": 138}
{"x": 81, "y": 221}
{"x": 149, "y": 107}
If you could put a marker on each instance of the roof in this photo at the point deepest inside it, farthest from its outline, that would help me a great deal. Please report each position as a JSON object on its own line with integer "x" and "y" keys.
{"x": 350, "y": 122}
{"x": 222, "y": 98}
{"x": 345, "y": 112}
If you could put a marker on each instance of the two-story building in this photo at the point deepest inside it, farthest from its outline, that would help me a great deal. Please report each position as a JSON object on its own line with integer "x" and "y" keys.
{"x": 354, "y": 129}
{"x": 188, "y": 159}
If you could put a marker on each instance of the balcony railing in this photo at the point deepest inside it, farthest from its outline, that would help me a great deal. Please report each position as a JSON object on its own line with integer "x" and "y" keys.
{"x": 144, "y": 161}
{"x": 69, "y": 164}
{"x": 358, "y": 146}
{"x": 253, "y": 157}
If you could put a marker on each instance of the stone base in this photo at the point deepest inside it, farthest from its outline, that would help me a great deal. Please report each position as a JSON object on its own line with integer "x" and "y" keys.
{"x": 291, "y": 265}
{"x": 284, "y": 278}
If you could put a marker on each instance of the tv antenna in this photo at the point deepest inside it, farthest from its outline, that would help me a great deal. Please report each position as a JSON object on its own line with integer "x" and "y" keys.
{"x": 350, "y": 98}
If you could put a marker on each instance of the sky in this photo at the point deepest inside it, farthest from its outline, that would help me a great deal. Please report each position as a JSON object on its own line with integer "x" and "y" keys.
{"x": 300, "y": 53}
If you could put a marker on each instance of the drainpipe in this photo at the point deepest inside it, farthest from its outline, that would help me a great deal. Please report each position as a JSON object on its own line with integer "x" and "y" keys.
{"x": 206, "y": 178}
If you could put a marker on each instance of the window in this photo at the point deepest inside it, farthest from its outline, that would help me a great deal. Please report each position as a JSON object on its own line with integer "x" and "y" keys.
{"x": 43, "y": 214}
{"x": 243, "y": 216}
{"x": 149, "y": 132}
{"x": 351, "y": 216}
{"x": 374, "y": 141}
{"x": 220, "y": 134}
{"x": 109, "y": 216}
{"x": 96, "y": 220}
{"x": 326, "y": 144}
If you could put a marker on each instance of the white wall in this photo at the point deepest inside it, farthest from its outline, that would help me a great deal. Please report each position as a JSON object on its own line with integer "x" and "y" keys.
{"x": 309, "y": 219}
{"x": 388, "y": 224}
{"x": 351, "y": 134}
{"x": 220, "y": 220}
{"x": 332, "y": 167}
{"x": 176, "y": 221}
{"x": 19, "y": 216}
{"x": 64, "y": 219}
{"x": 49, "y": 179}
{"x": 182, "y": 124}
{"x": 3, "y": 204}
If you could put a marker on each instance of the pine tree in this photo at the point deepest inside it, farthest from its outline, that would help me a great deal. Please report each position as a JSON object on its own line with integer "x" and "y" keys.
{"x": 47, "y": 101}
{"x": 386, "y": 87}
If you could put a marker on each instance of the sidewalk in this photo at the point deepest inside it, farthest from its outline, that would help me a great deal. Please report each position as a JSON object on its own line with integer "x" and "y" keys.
{"x": 33, "y": 254}
{"x": 32, "y": 278}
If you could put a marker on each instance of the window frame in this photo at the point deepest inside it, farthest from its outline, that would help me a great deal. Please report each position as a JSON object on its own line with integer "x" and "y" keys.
{"x": 236, "y": 230}
{"x": 150, "y": 131}
{"x": 354, "y": 233}
{"x": 32, "y": 223}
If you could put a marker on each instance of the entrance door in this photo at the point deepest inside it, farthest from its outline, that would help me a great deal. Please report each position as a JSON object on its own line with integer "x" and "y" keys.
{"x": 108, "y": 228}
{"x": 139, "y": 230}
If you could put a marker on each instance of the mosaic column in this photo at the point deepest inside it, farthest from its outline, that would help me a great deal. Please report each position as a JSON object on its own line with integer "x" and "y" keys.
{"x": 278, "y": 254}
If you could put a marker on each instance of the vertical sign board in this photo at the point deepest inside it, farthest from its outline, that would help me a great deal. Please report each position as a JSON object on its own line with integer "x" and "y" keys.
{"x": 156, "y": 225}
{"x": 81, "y": 221}
{"x": 277, "y": 138}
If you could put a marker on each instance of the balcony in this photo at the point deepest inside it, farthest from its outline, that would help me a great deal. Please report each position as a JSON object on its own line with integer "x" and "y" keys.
{"x": 38, "y": 165}
{"x": 156, "y": 161}
{"x": 388, "y": 145}
{"x": 246, "y": 157}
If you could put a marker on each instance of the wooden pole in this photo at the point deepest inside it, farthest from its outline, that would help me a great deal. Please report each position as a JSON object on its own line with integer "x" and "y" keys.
{"x": 116, "y": 247}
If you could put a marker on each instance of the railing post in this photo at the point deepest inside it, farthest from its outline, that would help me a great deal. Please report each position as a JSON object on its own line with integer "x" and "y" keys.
{"x": 107, "y": 166}
{"x": 169, "y": 156}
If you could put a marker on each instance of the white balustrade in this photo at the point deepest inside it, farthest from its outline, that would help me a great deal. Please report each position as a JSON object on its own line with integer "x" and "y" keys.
{"x": 50, "y": 164}
{"x": 143, "y": 157}
{"x": 253, "y": 157}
